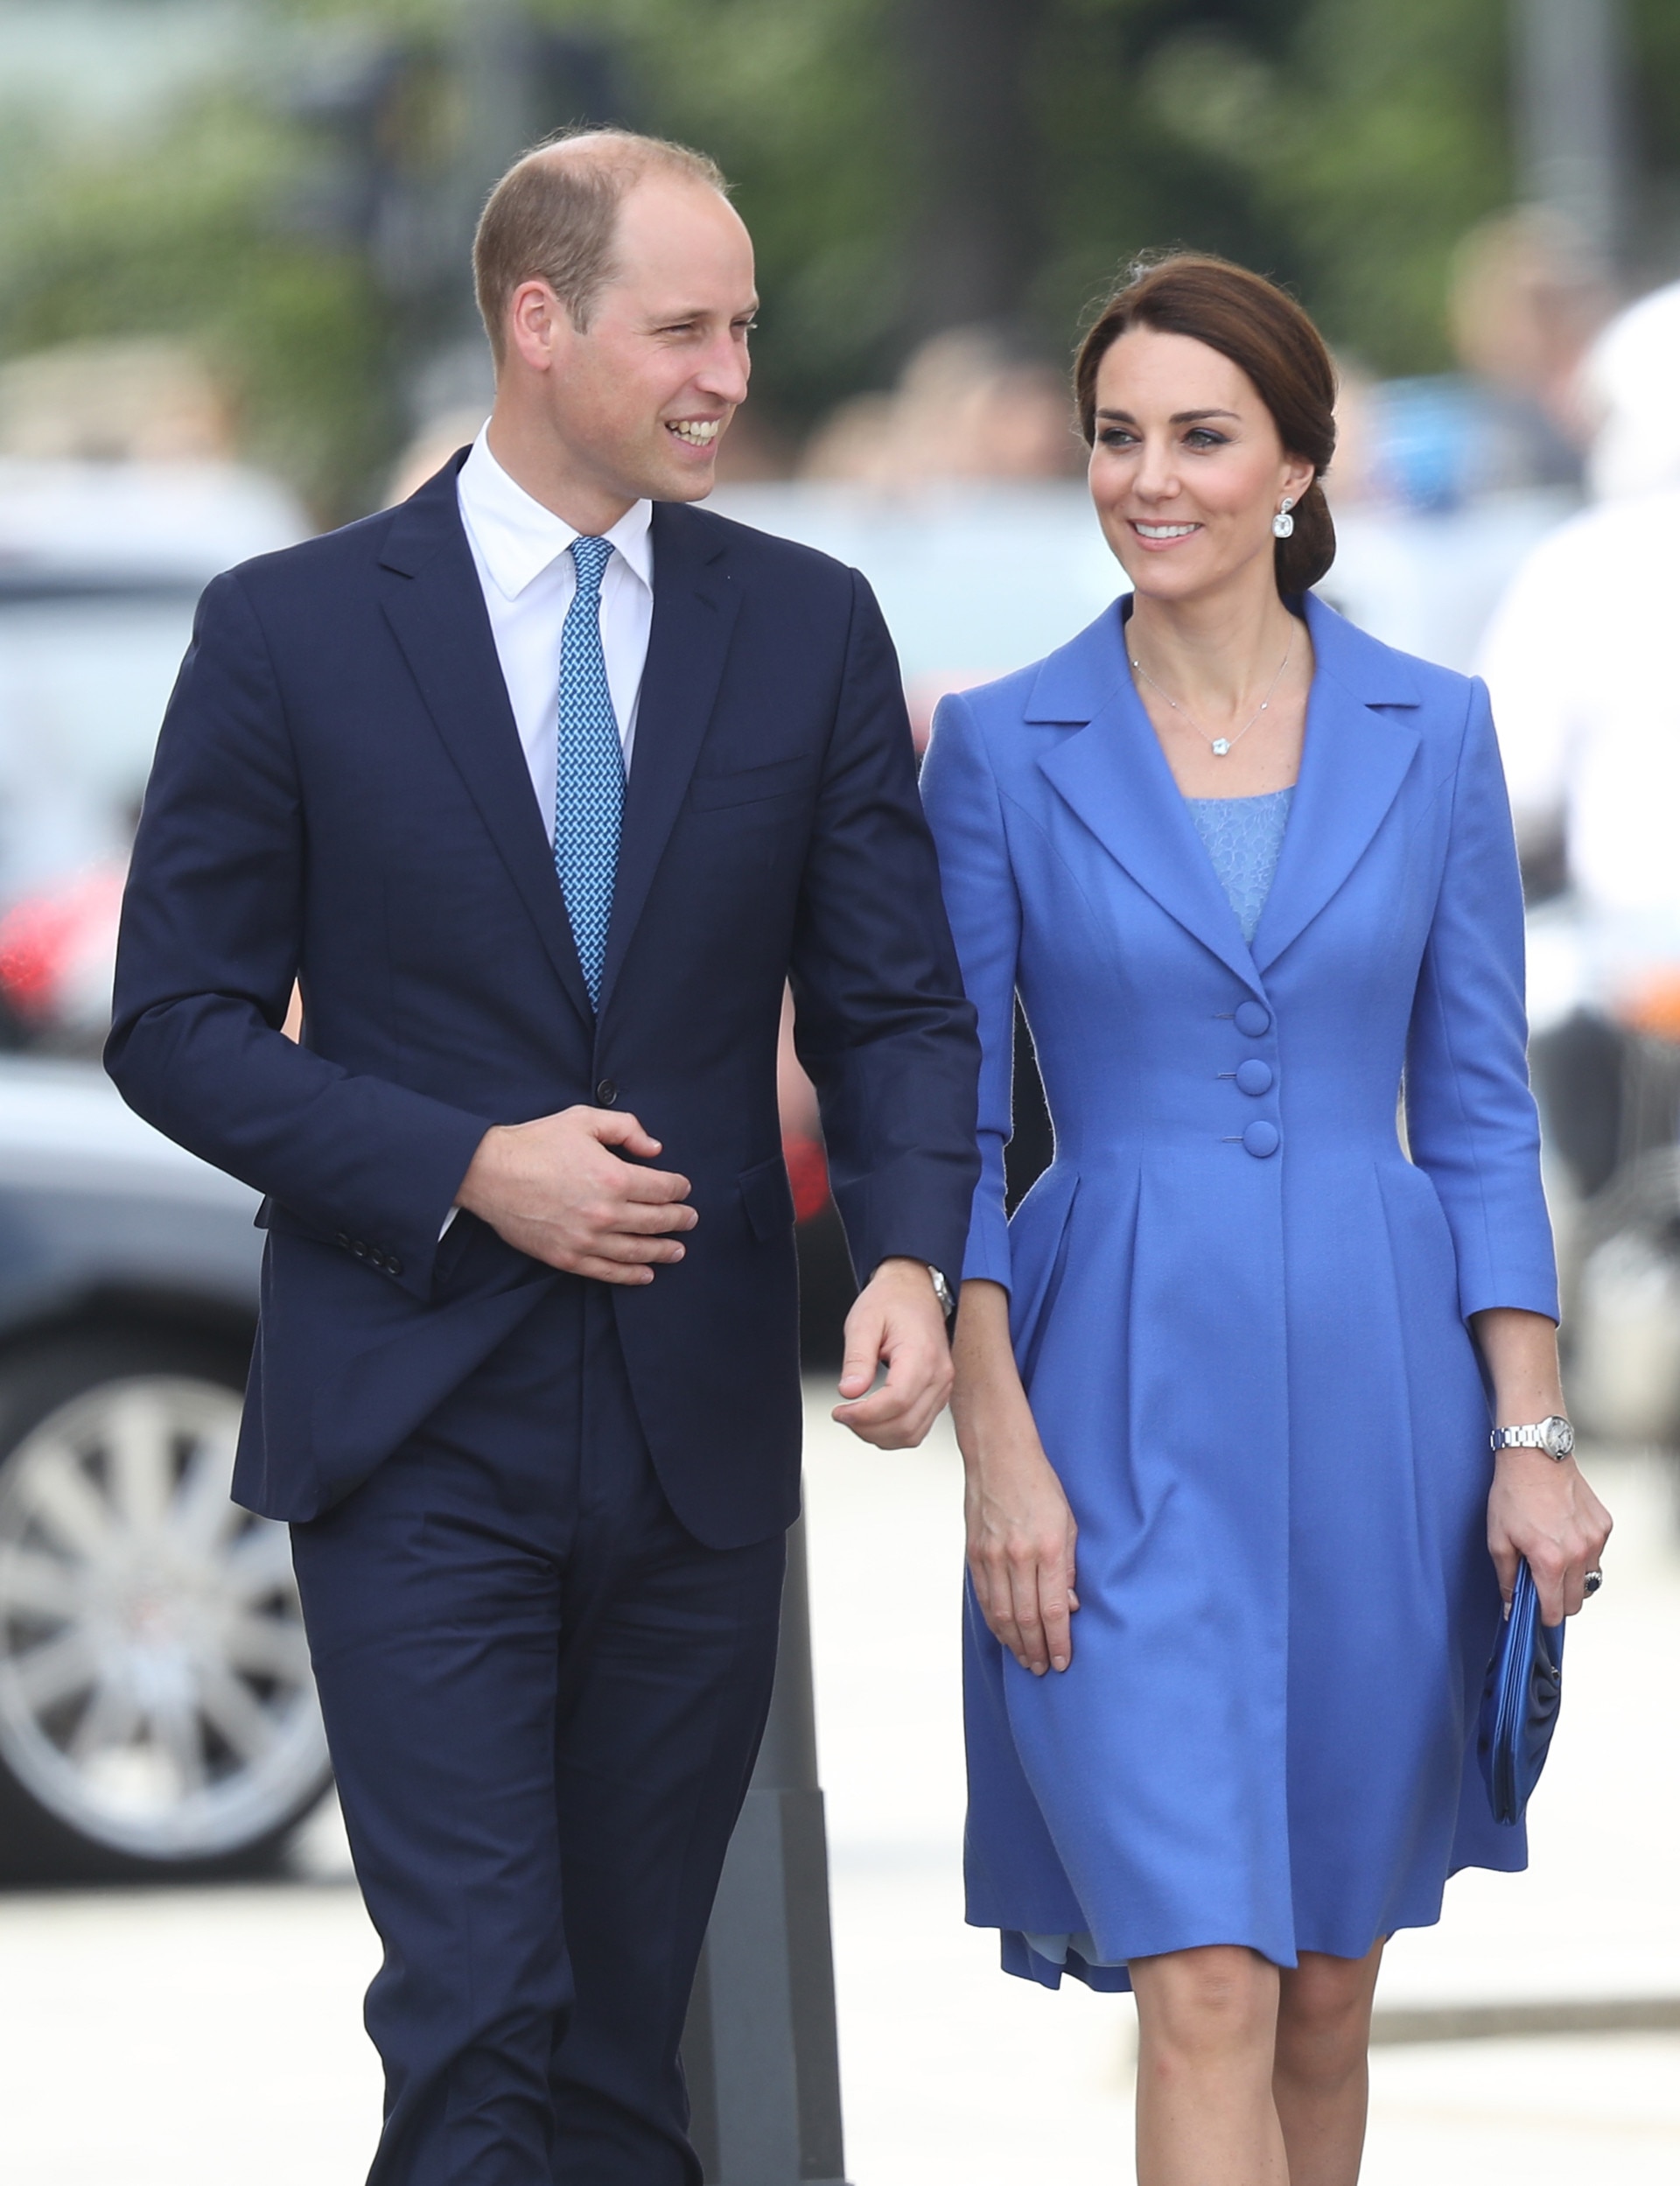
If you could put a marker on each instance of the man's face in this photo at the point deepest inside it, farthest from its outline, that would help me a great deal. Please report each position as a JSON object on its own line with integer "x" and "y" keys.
{"x": 640, "y": 400}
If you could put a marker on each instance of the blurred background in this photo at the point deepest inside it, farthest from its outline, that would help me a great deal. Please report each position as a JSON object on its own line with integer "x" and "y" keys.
{"x": 234, "y": 308}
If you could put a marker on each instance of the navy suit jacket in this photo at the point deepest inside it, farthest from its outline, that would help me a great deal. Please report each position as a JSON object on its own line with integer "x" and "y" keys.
{"x": 339, "y": 797}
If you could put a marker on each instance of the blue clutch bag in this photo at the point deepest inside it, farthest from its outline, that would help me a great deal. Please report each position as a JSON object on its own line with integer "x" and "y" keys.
{"x": 1519, "y": 1702}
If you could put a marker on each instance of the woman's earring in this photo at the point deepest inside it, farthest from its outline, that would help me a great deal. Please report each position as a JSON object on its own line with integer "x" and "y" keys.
{"x": 1283, "y": 524}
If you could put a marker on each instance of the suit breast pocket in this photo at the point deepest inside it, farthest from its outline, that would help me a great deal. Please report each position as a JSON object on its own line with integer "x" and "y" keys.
{"x": 751, "y": 785}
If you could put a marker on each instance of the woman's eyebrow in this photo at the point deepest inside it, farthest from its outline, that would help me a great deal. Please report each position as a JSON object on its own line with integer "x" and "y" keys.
{"x": 1178, "y": 417}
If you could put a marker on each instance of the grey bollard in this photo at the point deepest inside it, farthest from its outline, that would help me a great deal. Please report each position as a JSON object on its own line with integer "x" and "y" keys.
{"x": 759, "y": 2049}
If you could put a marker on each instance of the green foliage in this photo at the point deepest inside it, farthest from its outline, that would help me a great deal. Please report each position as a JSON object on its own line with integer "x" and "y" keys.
{"x": 1344, "y": 145}
{"x": 179, "y": 237}
{"x": 799, "y": 103}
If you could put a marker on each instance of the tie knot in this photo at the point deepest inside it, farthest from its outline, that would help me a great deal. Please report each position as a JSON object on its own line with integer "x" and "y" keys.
{"x": 589, "y": 556}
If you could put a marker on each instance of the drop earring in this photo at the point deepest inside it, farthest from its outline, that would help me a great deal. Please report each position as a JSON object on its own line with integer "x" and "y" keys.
{"x": 1283, "y": 524}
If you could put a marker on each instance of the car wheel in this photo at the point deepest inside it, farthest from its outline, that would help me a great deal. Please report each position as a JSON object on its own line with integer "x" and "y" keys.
{"x": 157, "y": 1716}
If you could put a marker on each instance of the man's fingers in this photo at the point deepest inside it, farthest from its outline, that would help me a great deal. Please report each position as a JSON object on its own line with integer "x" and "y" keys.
{"x": 612, "y": 1271}
{"x": 863, "y": 1355}
{"x": 618, "y": 1246}
{"x": 616, "y": 1128}
{"x": 657, "y": 1188}
{"x": 898, "y": 1415}
{"x": 637, "y": 1220}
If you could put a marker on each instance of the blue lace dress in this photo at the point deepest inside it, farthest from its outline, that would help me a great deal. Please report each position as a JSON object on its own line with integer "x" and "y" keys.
{"x": 1244, "y": 837}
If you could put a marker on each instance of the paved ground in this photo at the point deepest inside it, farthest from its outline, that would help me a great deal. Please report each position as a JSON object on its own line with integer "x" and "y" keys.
{"x": 188, "y": 2039}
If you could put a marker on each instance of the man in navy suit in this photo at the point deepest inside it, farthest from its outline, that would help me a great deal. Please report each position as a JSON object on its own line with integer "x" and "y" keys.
{"x": 541, "y": 786}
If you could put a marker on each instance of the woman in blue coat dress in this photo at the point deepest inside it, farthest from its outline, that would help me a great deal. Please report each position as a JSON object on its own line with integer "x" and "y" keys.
{"x": 1249, "y": 871}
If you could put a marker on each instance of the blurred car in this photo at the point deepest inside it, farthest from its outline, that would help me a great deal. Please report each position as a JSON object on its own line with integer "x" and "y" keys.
{"x": 157, "y": 1711}
{"x": 157, "y": 1714}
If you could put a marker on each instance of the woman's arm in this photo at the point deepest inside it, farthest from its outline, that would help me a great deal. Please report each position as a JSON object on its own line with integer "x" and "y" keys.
{"x": 1021, "y": 1532}
{"x": 1021, "y": 1529}
{"x": 1473, "y": 1131}
{"x": 1540, "y": 1508}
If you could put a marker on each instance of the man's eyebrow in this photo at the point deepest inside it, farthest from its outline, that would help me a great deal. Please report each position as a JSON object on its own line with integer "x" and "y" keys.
{"x": 1178, "y": 417}
{"x": 677, "y": 318}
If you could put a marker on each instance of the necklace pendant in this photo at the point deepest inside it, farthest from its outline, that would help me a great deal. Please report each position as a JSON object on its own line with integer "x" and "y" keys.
{"x": 1221, "y": 744}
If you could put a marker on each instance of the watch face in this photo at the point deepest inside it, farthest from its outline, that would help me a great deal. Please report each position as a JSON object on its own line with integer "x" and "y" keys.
{"x": 1557, "y": 1437}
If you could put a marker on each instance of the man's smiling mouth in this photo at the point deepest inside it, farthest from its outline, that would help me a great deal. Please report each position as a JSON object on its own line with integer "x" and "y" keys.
{"x": 698, "y": 432}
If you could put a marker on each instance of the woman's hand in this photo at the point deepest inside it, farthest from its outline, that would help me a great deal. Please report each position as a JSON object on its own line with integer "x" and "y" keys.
{"x": 1021, "y": 1532}
{"x": 1540, "y": 1509}
{"x": 1544, "y": 1512}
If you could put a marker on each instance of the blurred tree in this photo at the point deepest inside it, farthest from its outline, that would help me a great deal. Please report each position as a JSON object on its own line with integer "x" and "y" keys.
{"x": 904, "y": 164}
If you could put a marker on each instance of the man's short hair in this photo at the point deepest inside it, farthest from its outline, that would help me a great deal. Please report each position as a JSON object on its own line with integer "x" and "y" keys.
{"x": 554, "y": 217}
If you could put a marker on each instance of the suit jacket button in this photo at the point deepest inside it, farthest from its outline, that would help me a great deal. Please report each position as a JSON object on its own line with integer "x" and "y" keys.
{"x": 1262, "y": 1139}
{"x": 342, "y": 1241}
{"x": 605, "y": 1093}
{"x": 393, "y": 1265}
{"x": 1253, "y": 1017}
{"x": 1254, "y": 1078}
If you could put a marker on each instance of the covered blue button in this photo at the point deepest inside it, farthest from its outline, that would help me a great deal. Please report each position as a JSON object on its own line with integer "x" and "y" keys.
{"x": 1254, "y": 1077}
{"x": 1253, "y": 1017}
{"x": 1261, "y": 1138}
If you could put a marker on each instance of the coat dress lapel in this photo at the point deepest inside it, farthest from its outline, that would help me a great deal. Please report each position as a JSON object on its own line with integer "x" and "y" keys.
{"x": 1115, "y": 775}
{"x": 694, "y": 606}
{"x": 435, "y": 606}
{"x": 1353, "y": 762}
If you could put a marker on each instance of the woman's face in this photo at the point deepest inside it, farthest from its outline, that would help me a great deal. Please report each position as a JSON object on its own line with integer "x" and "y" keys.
{"x": 1186, "y": 469}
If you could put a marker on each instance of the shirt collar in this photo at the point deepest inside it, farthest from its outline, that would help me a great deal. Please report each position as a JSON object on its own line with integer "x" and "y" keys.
{"x": 519, "y": 538}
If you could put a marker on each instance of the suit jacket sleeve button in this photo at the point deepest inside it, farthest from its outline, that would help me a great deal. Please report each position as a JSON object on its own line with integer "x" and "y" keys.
{"x": 606, "y": 1092}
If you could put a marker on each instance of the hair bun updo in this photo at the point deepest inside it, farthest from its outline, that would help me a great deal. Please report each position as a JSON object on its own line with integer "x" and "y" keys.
{"x": 1266, "y": 334}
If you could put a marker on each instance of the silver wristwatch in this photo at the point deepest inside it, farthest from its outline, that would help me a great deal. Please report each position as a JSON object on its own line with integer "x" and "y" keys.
{"x": 1554, "y": 1435}
{"x": 942, "y": 1291}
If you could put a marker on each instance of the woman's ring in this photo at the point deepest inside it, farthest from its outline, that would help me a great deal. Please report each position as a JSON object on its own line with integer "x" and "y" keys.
{"x": 1591, "y": 1582}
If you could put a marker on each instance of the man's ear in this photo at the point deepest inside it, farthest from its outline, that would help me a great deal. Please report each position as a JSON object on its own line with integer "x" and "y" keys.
{"x": 537, "y": 326}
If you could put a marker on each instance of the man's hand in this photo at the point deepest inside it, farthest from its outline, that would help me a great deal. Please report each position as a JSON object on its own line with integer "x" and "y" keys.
{"x": 898, "y": 1318}
{"x": 553, "y": 1189}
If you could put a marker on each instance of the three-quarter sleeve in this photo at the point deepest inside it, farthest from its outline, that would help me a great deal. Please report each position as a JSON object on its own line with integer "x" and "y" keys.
{"x": 960, "y": 793}
{"x": 1470, "y": 1116}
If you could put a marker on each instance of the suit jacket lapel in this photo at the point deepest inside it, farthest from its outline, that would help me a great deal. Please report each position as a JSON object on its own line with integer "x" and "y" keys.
{"x": 435, "y": 606}
{"x": 1353, "y": 762}
{"x": 695, "y": 606}
{"x": 1115, "y": 776}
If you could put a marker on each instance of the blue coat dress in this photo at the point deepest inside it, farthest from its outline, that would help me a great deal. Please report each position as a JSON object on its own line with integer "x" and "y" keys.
{"x": 1239, "y": 1305}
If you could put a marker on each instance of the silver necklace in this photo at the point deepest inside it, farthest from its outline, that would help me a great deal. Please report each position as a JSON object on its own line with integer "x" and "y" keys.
{"x": 1221, "y": 744}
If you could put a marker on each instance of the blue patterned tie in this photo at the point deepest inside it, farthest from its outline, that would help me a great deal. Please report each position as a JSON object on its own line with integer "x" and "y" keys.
{"x": 588, "y": 774}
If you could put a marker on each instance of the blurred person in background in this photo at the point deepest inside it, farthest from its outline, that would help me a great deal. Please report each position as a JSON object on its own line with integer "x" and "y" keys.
{"x": 542, "y": 786}
{"x": 1579, "y": 664}
{"x": 971, "y": 404}
{"x": 1227, "y": 1384}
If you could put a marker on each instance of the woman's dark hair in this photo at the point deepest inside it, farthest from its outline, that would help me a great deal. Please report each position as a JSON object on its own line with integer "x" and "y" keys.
{"x": 1251, "y": 320}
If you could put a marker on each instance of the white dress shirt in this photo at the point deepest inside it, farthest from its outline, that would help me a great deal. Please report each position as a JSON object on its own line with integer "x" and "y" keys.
{"x": 529, "y": 578}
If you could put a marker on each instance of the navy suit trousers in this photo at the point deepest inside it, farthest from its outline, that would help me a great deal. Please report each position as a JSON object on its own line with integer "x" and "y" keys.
{"x": 543, "y": 1699}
